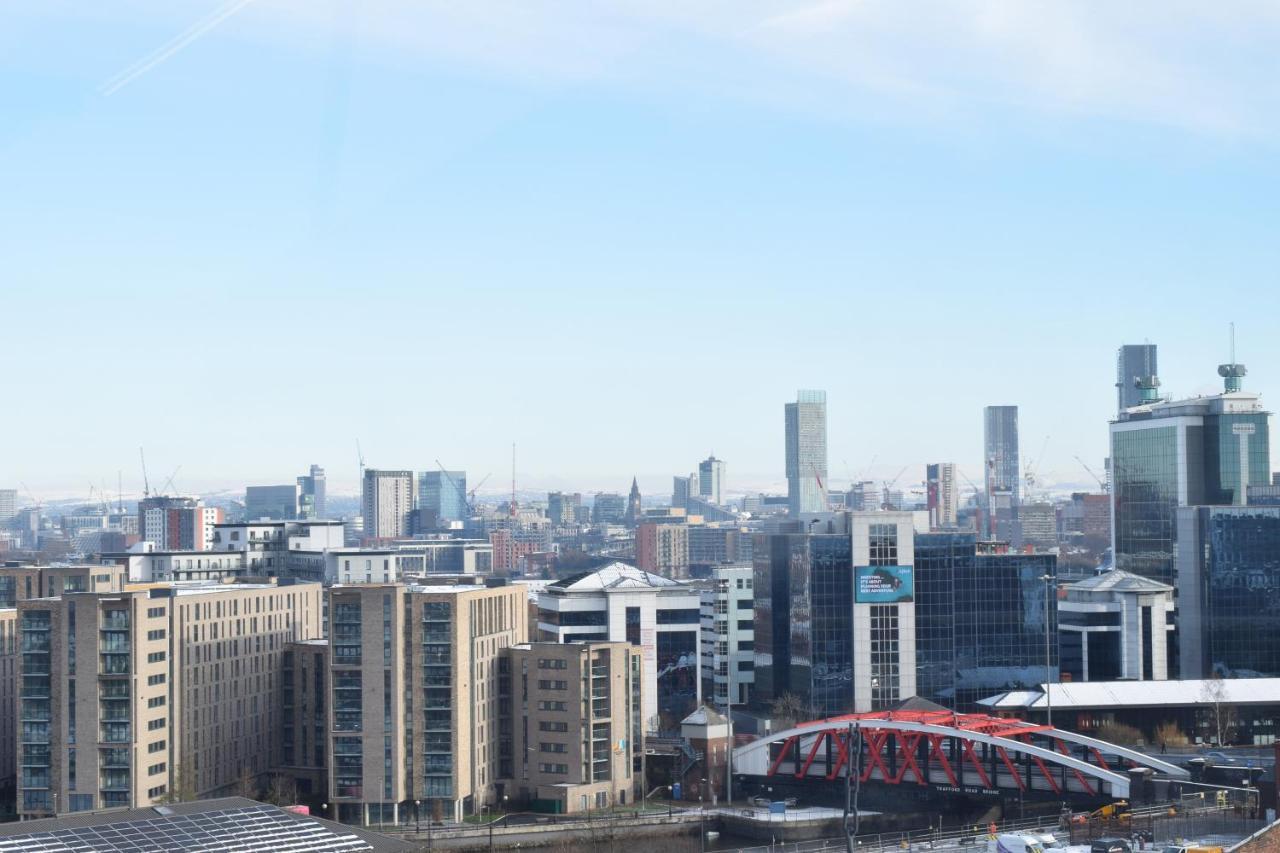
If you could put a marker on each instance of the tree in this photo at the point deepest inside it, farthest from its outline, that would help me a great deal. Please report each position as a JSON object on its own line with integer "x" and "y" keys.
{"x": 246, "y": 785}
{"x": 1168, "y": 734}
{"x": 786, "y": 711}
{"x": 1219, "y": 715}
{"x": 182, "y": 785}
{"x": 282, "y": 790}
{"x": 1119, "y": 733}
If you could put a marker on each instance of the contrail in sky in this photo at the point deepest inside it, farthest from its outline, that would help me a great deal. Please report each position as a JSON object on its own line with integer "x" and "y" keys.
{"x": 177, "y": 43}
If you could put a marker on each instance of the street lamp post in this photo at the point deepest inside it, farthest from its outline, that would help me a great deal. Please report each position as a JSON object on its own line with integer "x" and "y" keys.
{"x": 1049, "y": 584}
{"x": 417, "y": 821}
{"x": 702, "y": 817}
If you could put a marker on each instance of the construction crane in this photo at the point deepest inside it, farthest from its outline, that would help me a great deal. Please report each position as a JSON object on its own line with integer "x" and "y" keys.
{"x": 169, "y": 482}
{"x": 457, "y": 487}
{"x": 360, "y": 456}
{"x": 1029, "y": 474}
{"x": 146, "y": 485}
{"x": 471, "y": 495}
{"x": 1101, "y": 483}
{"x": 889, "y": 484}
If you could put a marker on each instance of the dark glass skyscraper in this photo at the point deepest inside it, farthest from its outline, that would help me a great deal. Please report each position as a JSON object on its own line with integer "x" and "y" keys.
{"x": 803, "y": 618}
{"x": 1206, "y": 450}
{"x": 1229, "y": 591}
{"x": 806, "y": 452}
{"x": 1003, "y": 475}
{"x": 980, "y": 619}
{"x": 1134, "y": 362}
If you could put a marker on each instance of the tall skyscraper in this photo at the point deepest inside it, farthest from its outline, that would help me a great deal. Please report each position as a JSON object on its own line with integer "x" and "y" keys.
{"x": 806, "y": 451}
{"x": 710, "y": 479}
{"x": 1135, "y": 367}
{"x": 313, "y": 493}
{"x": 682, "y": 488}
{"x": 1000, "y": 461}
{"x": 940, "y": 482}
{"x": 8, "y": 504}
{"x": 387, "y": 503}
{"x": 442, "y": 496}
{"x": 1175, "y": 453}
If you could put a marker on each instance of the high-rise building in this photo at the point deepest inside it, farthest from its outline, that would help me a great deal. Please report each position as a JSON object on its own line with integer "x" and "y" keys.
{"x": 608, "y": 508}
{"x": 1228, "y": 574}
{"x": 834, "y": 613}
{"x": 634, "y": 510}
{"x": 864, "y": 496}
{"x": 1169, "y": 454}
{"x": 313, "y": 489}
{"x": 980, "y": 619}
{"x": 178, "y": 524}
{"x": 1038, "y": 524}
{"x": 442, "y": 497}
{"x": 418, "y": 694}
{"x": 806, "y": 452}
{"x": 728, "y": 638}
{"x": 1114, "y": 626}
{"x": 662, "y": 547}
{"x": 10, "y": 652}
{"x": 127, "y": 697}
{"x": 387, "y": 504}
{"x": 711, "y": 479}
{"x": 8, "y": 504}
{"x": 1000, "y": 459}
{"x": 575, "y": 724}
{"x": 683, "y": 488}
{"x": 940, "y": 484}
{"x": 564, "y": 508}
{"x": 282, "y": 503}
{"x": 662, "y": 616}
{"x": 1136, "y": 369}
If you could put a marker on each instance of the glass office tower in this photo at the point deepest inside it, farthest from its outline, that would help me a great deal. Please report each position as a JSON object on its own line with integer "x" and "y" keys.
{"x": 1229, "y": 591}
{"x": 980, "y": 620}
{"x": 1171, "y": 454}
{"x": 803, "y": 611}
{"x": 1134, "y": 362}
{"x": 806, "y": 452}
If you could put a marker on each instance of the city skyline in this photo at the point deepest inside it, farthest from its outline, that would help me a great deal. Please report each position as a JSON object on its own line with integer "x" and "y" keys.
{"x": 1057, "y": 469}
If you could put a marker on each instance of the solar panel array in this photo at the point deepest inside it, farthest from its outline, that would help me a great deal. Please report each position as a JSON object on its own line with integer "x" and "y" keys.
{"x": 262, "y": 829}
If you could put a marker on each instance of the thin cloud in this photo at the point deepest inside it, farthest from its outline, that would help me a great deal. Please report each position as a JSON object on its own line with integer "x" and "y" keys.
{"x": 177, "y": 43}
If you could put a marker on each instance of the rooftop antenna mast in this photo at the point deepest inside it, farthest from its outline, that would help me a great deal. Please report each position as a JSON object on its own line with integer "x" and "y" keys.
{"x": 1232, "y": 373}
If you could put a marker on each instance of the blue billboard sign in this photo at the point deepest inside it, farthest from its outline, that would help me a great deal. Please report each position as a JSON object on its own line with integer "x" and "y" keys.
{"x": 883, "y": 584}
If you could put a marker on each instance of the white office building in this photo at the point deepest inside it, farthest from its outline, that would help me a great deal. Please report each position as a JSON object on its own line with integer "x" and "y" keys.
{"x": 620, "y": 602}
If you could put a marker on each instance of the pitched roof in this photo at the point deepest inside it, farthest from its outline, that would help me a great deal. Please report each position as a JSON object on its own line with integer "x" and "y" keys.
{"x": 1119, "y": 581}
{"x": 705, "y": 716}
{"x": 617, "y": 575}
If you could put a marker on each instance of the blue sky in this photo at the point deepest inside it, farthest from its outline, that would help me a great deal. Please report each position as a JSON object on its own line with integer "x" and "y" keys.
{"x": 620, "y": 235}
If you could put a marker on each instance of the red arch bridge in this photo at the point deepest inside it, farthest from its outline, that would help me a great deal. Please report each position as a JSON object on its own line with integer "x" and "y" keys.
{"x": 960, "y": 753}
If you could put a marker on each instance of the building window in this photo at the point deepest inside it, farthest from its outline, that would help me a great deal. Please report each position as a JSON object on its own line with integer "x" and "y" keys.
{"x": 883, "y": 542}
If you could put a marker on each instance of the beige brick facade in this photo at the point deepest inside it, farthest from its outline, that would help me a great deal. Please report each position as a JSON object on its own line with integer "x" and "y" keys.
{"x": 160, "y": 691}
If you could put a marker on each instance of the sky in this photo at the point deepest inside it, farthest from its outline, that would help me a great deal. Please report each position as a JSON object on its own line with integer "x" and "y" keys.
{"x": 247, "y": 235}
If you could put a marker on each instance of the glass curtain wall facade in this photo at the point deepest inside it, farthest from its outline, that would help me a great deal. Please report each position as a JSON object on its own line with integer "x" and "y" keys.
{"x": 980, "y": 620}
{"x": 1230, "y": 594}
{"x": 806, "y": 452}
{"x": 1146, "y": 465}
{"x": 803, "y": 616}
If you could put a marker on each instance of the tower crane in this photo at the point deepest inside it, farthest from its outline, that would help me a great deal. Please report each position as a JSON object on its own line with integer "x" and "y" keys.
{"x": 1101, "y": 483}
{"x": 146, "y": 485}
